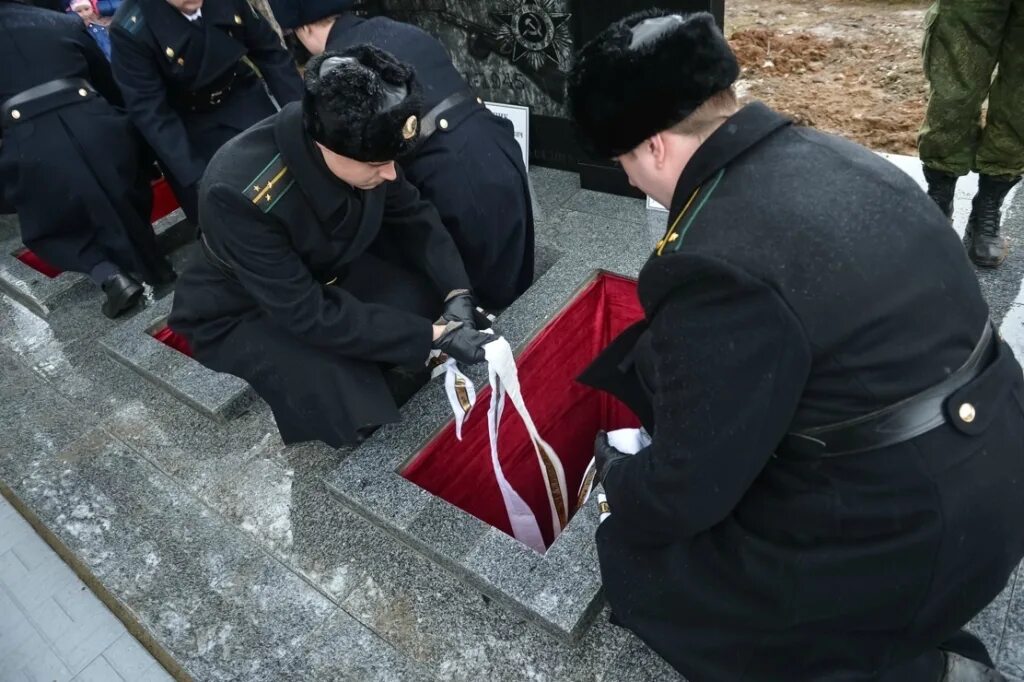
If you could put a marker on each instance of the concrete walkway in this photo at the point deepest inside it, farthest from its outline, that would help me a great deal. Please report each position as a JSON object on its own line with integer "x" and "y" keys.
{"x": 52, "y": 627}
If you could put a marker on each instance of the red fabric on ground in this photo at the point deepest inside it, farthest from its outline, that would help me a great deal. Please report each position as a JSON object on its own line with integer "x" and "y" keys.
{"x": 567, "y": 414}
{"x": 164, "y": 201}
{"x": 30, "y": 259}
{"x": 169, "y": 337}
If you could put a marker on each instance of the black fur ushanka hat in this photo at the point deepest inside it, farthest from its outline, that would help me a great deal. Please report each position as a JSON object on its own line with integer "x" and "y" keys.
{"x": 644, "y": 74}
{"x": 362, "y": 103}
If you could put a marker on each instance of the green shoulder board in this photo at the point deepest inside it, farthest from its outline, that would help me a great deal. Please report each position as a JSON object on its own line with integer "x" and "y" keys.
{"x": 270, "y": 185}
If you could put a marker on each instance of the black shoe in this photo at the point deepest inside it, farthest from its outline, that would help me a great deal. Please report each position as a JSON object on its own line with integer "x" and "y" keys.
{"x": 941, "y": 188}
{"x": 984, "y": 244}
{"x": 122, "y": 292}
{"x": 962, "y": 669}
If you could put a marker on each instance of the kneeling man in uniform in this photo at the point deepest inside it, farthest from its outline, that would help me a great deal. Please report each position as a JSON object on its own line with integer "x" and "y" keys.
{"x": 835, "y": 485}
{"x": 323, "y": 269}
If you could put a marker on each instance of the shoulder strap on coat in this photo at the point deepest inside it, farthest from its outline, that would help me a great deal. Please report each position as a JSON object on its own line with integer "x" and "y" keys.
{"x": 267, "y": 188}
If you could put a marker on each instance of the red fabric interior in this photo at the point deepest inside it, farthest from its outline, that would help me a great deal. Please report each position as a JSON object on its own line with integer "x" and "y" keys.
{"x": 164, "y": 201}
{"x": 169, "y": 337}
{"x": 567, "y": 414}
{"x": 30, "y": 259}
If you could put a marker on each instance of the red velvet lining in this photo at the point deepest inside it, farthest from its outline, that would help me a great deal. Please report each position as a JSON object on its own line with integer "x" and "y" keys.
{"x": 169, "y": 337}
{"x": 566, "y": 413}
{"x": 30, "y": 259}
{"x": 164, "y": 201}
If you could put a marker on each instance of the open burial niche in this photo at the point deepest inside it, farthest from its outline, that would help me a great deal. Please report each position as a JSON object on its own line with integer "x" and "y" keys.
{"x": 566, "y": 413}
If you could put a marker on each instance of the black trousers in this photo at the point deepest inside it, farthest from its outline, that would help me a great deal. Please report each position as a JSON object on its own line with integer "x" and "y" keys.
{"x": 316, "y": 394}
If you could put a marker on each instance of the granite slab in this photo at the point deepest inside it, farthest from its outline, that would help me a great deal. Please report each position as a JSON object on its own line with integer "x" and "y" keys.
{"x": 206, "y": 597}
{"x": 217, "y": 396}
{"x": 560, "y": 590}
{"x": 228, "y": 552}
{"x": 43, "y": 294}
{"x": 39, "y": 293}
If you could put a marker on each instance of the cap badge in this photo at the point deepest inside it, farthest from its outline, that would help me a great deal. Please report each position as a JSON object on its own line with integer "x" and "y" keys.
{"x": 411, "y": 127}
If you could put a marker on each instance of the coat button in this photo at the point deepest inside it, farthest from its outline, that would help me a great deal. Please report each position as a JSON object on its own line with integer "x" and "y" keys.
{"x": 83, "y": 92}
{"x": 967, "y": 413}
{"x": 443, "y": 123}
{"x": 169, "y": 52}
{"x": 479, "y": 101}
{"x": 238, "y": 19}
{"x": 15, "y": 114}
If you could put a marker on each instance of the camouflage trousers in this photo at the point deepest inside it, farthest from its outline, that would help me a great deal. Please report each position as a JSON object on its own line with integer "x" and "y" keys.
{"x": 965, "y": 41}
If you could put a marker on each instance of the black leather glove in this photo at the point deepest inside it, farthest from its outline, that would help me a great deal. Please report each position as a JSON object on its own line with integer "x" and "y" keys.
{"x": 605, "y": 456}
{"x": 459, "y": 307}
{"x": 463, "y": 343}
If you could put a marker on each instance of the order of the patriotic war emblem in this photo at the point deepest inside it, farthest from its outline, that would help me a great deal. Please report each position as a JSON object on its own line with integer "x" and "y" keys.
{"x": 532, "y": 30}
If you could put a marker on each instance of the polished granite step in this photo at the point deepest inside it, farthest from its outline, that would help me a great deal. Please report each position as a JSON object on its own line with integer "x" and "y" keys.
{"x": 233, "y": 557}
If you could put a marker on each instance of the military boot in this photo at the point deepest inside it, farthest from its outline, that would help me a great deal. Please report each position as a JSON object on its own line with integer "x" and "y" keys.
{"x": 961, "y": 669}
{"x": 984, "y": 244}
{"x": 941, "y": 187}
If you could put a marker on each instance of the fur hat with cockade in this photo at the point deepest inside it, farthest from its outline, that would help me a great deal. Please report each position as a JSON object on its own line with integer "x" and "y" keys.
{"x": 362, "y": 103}
{"x": 644, "y": 74}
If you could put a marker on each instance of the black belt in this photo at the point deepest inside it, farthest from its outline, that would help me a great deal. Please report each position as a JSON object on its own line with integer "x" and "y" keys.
{"x": 894, "y": 424}
{"x": 225, "y": 268}
{"x": 429, "y": 121}
{"x": 212, "y": 96}
{"x": 9, "y": 111}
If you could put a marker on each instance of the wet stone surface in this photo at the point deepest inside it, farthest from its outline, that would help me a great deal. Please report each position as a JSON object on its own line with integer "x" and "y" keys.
{"x": 236, "y": 558}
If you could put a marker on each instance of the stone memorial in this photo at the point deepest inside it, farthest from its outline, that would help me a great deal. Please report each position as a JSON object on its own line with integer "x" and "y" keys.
{"x": 519, "y": 52}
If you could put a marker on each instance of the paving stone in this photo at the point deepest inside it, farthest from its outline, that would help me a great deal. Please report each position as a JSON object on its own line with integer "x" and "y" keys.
{"x": 32, "y": 661}
{"x": 130, "y": 660}
{"x": 98, "y": 671}
{"x": 76, "y": 624}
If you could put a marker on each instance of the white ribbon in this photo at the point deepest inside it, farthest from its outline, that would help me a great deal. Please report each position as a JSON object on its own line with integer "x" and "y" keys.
{"x": 626, "y": 441}
{"x": 504, "y": 380}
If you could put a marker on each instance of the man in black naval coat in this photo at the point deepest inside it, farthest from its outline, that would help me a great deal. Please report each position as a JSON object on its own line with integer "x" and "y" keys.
{"x": 323, "y": 267}
{"x": 836, "y": 480}
{"x": 70, "y": 163}
{"x": 190, "y": 72}
{"x": 467, "y": 164}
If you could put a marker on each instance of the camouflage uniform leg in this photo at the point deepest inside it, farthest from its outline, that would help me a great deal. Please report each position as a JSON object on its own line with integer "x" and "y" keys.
{"x": 1001, "y": 152}
{"x": 961, "y": 48}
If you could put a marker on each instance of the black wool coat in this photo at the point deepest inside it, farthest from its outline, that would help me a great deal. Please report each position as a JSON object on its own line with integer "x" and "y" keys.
{"x": 471, "y": 168}
{"x": 164, "y": 63}
{"x": 313, "y": 289}
{"x": 72, "y": 166}
{"x": 809, "y": 281}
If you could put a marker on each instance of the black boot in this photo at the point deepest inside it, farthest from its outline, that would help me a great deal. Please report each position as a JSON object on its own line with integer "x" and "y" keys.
{"x": 122, "y": 292}
{"x": 984, "y": 244}
{"x": 961, "y": 669}
{"x": 941, "y": 187}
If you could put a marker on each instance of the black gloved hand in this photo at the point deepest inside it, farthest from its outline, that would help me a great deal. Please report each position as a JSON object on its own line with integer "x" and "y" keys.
{"x": 459, "y": 307}
{"x": 605, "y": 456}
{"x": 463, "y": 343}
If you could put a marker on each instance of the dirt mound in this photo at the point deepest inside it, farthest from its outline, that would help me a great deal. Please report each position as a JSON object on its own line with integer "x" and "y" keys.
{"x": 764, "y": 51}
{"x": 871, "y": 91}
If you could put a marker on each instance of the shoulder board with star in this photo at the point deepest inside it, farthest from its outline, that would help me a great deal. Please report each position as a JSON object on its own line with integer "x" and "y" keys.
{"x": 270, "y": 185}
{"x": 131, "y": 18}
